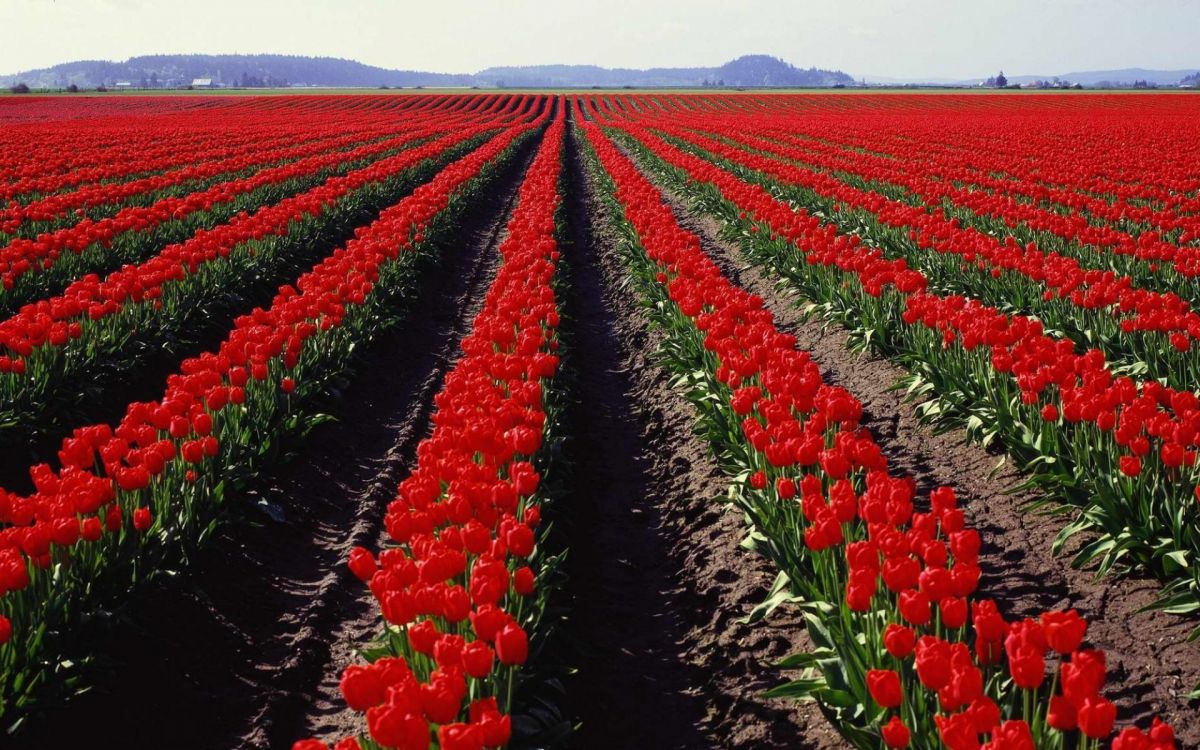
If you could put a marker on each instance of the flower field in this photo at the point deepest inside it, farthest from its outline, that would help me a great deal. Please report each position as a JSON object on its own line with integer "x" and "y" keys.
{"x": 489, "y": 420}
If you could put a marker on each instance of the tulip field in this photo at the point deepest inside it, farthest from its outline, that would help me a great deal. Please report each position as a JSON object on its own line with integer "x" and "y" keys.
{"x": 603, "y": 420}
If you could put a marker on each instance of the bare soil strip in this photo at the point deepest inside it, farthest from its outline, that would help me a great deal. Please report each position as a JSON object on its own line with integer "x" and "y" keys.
{"x": 657, "y": 579}
{"x": 1151, "y": 665}
{"x": 245, "y": 650}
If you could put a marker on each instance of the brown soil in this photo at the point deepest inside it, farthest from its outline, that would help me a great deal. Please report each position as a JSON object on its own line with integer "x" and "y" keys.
{"x": 657, "y": 579}
{"x": 1151, "y": 665}
{"x": 246, "y": 649}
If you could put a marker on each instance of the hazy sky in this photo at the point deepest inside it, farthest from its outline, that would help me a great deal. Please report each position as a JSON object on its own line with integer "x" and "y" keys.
{"x": 951, "y": 38}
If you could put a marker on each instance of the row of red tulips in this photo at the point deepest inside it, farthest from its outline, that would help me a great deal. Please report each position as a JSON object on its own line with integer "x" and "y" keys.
{"x": 904, "y": 658}
{"x": 998, "y": 184}
{"x": 67, "y": 153}
{"x": 974, "y": 195}
{"x": 33, "y": 255}
{"x": 77, "y": 144}
{"x": 119, "y": 322}
{"x": 1141, "y": 331}
{"x": 1116, "y": 170}
{"x": 1140, "y": 194}
{"x": 1123, "y": 449}
{"x": 1131, "y": 322}
{"x": 1070, "y": 259}
{"x": 129, "y": 500}
{"x": 458, "y": 588}
{"x": 219, "y": 162}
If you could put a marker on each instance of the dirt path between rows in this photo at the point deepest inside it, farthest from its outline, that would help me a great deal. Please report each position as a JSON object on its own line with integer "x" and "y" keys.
{"x": 1151, "y": 665}
{"x": 657, "y": 579}
{"x": 246, "y": 649}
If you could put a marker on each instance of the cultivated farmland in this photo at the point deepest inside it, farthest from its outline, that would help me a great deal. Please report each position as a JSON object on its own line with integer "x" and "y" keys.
{"x": 662, "y": 420}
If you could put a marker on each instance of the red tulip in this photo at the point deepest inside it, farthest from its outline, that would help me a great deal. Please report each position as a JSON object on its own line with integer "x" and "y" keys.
{"x": 933, "y": 662}
{"x": 141, "y": 519}
{"x": 1083, "y": 676}
{"x": 362, "y": 563}
{"x": 1096, "y": 717}
{"x": 92, "y": 529}
{"x": 1012, "y": 735}
{"x": 957, "y": 732}
{"x": 954, "y": 612}
{"x": 915, "y": 607}
{"x": 398, "y": 727}
{"x": 1062, "y": 714}
{"x": 1131, "y": 738}
{"x": 884, "y": 686}
{"x": 512, "y": 645}
{"x": 460, "y": 737}
{"x": 1131, "y": 466}
{"x": 895, "y": 734}
{"x": 1064, "y": 630}
{"x": 524, "y": 581}
{"x": 477, "y": 659}
{"x": 899, "y": 640}
{"x": 362, "y": 687}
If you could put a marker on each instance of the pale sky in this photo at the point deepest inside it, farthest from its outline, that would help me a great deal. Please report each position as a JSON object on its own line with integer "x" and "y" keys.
{"x": 903, "y": 38}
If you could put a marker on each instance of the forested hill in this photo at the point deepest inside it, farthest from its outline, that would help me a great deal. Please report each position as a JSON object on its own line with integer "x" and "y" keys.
{"x": 751, "y": 70}
{"x": 165, "y": 71}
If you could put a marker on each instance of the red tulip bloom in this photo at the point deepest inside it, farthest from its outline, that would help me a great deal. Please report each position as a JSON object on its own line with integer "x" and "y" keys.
{"x": 984, "y": 713}
{"x": 899, "y": 640}
{"x": 1064, "y": 630}
{"x": 1131, "y": 466}
{"x": 1028, "y": 667}
{"x": 1083, "y": 676}
{"x": 423, "y": 636}
{"x": 512, "y": 645}
{"x": 933, "y": 662}
{"x": 957, "y": 732}
{"x": 362, "y": 687}
{"x": 1132, "y": 738}
{"x": 1096, "y": 717}
{"x": 954, "y": 612}
{"x": 460, "y": 737}
{"x": 524, "y": 581}
{"x": 362, "y": 563}
{"x": 915, "y": 607}
{"x": 399, "y": 727}
{"x": 1012, "y": 735}
{"x": 895, "y": 734}
{"x": 477, "y": 659}
{"x": 884, "y": 686}
{"x": 1062, "y": 714}
{"x": 758, "y": 480}
{"x": 141, "y": 519}
{"x": 91, "y": 529}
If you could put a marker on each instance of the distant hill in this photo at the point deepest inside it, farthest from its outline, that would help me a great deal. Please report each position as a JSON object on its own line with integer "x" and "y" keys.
{"x": 167, "y": 71}
{"x": 1095, "y": 78}
{"x": 747, "y": 71}
{"x": 1126, "y": 76}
